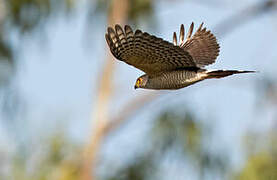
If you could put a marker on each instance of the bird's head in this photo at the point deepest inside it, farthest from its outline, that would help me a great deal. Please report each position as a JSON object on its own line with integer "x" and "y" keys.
{"x": 141, "y": 81}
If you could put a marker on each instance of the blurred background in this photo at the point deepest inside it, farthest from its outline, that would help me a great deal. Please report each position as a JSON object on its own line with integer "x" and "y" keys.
{"x": 68, "y": 110}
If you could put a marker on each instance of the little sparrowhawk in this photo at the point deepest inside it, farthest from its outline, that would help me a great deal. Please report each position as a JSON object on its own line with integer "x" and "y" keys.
{"x": 167, "y": 65}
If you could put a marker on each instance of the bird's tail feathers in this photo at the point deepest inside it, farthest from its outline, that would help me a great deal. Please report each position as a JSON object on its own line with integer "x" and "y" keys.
{"x": 224, "y": 73}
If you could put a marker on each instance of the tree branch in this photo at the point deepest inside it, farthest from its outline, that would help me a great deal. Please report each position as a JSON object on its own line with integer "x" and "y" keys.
{"x": 118, "y": 14}
{"x": 244, "y": 16}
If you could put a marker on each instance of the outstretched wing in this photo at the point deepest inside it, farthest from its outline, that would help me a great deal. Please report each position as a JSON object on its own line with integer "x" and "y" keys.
{"x": 146, "y": 52}
{"x": 202, "y": 46}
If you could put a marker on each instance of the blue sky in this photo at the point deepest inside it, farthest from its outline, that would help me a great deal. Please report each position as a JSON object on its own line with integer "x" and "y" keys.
{"x": 59, "y": 79}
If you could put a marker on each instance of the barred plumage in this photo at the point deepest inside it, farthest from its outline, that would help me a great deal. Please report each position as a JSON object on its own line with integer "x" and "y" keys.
{"x": 167, "y": 65}
{"x": 202, "y": 46}
{"x": 146, "y": 52}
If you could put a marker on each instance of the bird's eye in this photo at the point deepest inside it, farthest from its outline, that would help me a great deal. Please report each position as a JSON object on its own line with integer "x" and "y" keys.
{"x": 138, "y": 82}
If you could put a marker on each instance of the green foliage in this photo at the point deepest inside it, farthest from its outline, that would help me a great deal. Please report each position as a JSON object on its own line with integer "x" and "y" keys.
{"x": 23, "y": 17}
{"x": 178, "y": 129}
{"x": 26, "y": 15}
{"x": 178, "y": 135}
{"x": 140, "y": 168}
{"x": 55, "y": 159}
{"x": 262, "y": 158}
{"x": 138, "y": 9}
{"x": 261, "y": 166}
{"x": 174, "y": 135}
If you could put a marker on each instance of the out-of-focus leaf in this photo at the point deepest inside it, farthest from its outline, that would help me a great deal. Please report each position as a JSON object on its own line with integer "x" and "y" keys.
{"x": 261, "y": 166}
{"x": 6, "y": 61}
{"x": 138, "y": 9}
{"x": 60, "y": 161}
{"x": 182, "y": 129}
{"x": 28, "y": 14}
{"x": 174, "y": 131}
{"x": 261, "y": 162}
{"x": 22, "y": 17}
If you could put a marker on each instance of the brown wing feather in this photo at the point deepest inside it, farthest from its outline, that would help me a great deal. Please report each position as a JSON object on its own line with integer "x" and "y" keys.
{"x": 146, "y": 52}
{"x": 202, "y": 46}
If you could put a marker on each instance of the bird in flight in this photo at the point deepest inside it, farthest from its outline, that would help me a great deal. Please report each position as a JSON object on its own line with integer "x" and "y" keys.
{"x": 167, "y": 65}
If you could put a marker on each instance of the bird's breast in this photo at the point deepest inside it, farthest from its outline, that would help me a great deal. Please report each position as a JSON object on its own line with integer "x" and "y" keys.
{"x": 174, "y": 79}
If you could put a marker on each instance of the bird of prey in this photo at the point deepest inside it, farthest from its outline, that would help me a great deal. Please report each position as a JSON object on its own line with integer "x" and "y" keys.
{"x": 167, "y": 65}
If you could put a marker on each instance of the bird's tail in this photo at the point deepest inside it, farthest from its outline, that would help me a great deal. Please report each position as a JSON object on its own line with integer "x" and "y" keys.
{"x": 224, "y": 73}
